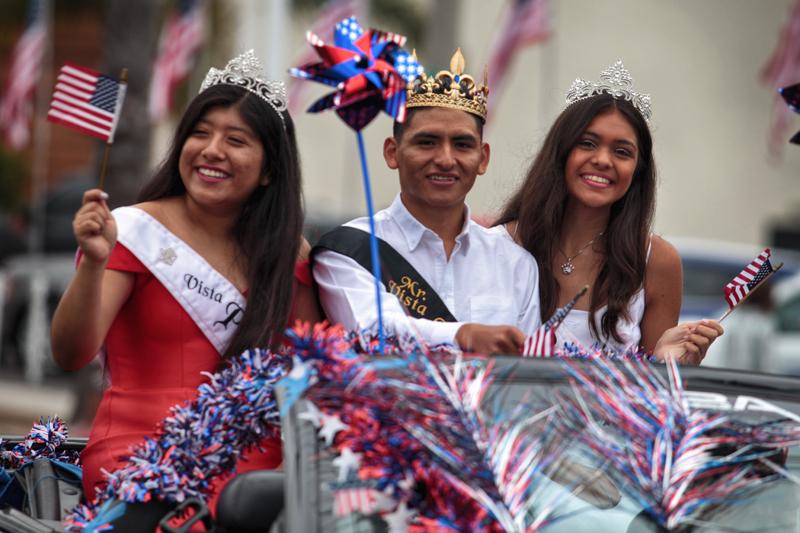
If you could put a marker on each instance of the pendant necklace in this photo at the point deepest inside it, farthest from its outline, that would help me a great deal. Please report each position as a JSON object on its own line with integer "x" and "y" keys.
{"x": 568, "y": 267}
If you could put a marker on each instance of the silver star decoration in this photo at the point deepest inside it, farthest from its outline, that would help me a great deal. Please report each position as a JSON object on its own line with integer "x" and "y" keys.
{"x": 167, "y": 255}
{"x": 331, "y": 425}
{"x": 398, "y": 520}
{"x": 347, "y": 462}
{"x": 407, "y": 484}
{"x": 384, "y": 500}
{"x": 312, "y": 414}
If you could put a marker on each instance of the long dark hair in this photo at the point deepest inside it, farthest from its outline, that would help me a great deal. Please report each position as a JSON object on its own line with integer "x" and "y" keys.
{"x": 539, "y": 204}
{"x": 269, "y": 228}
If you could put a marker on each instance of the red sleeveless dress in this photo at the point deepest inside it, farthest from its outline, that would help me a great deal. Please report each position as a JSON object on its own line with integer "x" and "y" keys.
{"x": 155, "y": 354}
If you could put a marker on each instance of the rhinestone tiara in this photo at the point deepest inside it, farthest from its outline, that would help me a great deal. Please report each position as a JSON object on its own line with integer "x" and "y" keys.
{"x": 244, "y": 71}
{"x": 452, "y": 89}
{"x": 616, "y": 81}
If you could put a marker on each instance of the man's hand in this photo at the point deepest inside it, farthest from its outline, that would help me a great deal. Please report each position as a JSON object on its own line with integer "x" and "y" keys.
{"x": 687, "y": 342}
{"x": 478, "y": 338}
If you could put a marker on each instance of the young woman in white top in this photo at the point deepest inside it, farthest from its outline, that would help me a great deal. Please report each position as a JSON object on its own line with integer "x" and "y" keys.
{"x": 585, "y": 212}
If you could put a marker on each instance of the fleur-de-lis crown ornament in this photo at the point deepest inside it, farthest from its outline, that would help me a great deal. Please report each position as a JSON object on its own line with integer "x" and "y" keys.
{"x": 450, "y": 88}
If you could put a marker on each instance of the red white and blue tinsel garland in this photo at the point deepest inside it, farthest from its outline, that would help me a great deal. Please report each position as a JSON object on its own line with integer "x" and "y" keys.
{"x": 413, "y": 443}
{"x": 199, "y": 441}
{"x": 675, "y": 460}
{"x": 44, "y": 440}
{"x": 396, "y": 425}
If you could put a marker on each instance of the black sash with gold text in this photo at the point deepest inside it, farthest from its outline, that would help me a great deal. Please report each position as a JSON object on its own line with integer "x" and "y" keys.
{"x": 399, "y": 277}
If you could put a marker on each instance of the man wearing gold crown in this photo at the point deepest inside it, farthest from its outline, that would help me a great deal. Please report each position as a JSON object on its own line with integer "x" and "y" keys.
{"x": 445, "y": 278}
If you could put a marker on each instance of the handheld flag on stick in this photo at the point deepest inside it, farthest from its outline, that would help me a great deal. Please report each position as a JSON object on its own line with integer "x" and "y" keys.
{"x": 370, "y": 71}
{"x": 748, "y": 280}
{"x": 89, "y": 102}
{"x": 543, "y": 342}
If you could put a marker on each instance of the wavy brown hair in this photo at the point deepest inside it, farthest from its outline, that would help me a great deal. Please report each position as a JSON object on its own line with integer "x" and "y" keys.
{"x": 269, "y": 228}
{"x": 539, "y": 205}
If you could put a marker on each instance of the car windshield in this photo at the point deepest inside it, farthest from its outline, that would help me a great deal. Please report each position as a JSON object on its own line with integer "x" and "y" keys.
{"x": 603, "y": 505}
{"x": 742, "y": 396}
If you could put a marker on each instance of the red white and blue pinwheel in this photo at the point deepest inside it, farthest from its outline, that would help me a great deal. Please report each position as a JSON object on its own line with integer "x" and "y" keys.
{"x": 792, "y": 96}
{"x": 369, "y": 69}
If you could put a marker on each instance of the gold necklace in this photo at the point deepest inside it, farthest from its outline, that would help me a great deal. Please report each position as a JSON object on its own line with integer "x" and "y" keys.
{"x": 568, "y": 267}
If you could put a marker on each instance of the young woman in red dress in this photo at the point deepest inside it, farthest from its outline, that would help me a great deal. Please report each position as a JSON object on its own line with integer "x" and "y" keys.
{"x": 204, "y": 267}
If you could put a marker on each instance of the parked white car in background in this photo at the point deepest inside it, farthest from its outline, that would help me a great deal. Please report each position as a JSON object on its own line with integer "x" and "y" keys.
{"x": 762, "y": 334}
{"x": 786, "y": 343}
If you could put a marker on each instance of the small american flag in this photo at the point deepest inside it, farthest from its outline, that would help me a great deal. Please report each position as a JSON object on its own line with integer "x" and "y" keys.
{"x": 16, "y": 108}
{"x": 746, "y": 280}
{"x": 354, "y": 499}
{"x": 87, "y": 101}
{"x": 327, "y": 19}
{"x": 182, "y": 36}
{"x": 543, "y": 342}
{"x": 526, "y": 22}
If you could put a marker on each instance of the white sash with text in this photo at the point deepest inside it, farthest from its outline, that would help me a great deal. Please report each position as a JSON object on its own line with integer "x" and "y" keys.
{"x": 213, "y": 302}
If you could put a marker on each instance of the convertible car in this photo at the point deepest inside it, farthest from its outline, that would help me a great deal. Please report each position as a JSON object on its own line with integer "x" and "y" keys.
{"x": 300, "y": 497}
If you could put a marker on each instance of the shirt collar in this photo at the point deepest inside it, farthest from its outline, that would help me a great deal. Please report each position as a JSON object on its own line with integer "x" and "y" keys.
{"x": 414, "y": 230}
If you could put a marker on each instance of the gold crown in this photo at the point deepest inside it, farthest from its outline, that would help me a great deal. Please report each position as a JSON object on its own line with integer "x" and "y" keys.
{"x": 451, "y": 89}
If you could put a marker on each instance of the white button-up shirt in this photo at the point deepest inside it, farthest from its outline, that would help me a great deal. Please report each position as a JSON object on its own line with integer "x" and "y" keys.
{"x": 487, "y": 280}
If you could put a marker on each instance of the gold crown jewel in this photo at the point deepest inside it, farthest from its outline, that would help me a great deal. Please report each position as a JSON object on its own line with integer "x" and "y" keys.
{"x": 452, "y": 89}
{"x": 244, "y": 71}
{"x": 616, "y": 81}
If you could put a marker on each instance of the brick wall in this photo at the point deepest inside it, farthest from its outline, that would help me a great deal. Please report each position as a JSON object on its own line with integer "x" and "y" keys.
{"x": 77, "y": 37}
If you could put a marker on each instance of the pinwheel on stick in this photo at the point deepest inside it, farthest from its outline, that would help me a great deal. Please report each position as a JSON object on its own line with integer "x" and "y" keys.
{"x": 370, "y": 71}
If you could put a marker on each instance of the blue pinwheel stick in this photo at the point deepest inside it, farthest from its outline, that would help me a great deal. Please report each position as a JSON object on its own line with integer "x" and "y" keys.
{"x": 373, "y": 240}
{"x": 370, "y": 71}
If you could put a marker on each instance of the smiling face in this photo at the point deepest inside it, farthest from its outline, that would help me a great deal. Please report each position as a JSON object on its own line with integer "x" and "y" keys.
{"x": 438, "y": 156}
{"x": 600, "y": 167}
{"x": 222, "y": 159}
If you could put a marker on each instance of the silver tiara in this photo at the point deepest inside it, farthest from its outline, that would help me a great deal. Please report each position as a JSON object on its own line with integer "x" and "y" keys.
{"x": 244, "y": 71}
{"x": 616, "y": 81}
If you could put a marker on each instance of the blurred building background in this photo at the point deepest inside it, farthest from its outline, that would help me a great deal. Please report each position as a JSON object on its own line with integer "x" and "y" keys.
{"x": 702, "y": 62}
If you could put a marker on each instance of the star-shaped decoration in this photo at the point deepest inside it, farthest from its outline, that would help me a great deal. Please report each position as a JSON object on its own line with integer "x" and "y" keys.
{"x": 347, "y": 462}
{"x": 362, "y": 66}
{"x": 398, "y": 520}
{"x": 331, "y": 425}
{"x": 384, "y": 500}
{"x": 299, "y": 379}
{"x": 312, "y": 414}
{"x": 167, "y": 255}
{"x": 408, "y": 483}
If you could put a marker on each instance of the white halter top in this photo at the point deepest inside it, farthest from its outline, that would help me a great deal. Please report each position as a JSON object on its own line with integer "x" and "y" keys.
{"x": 575, "y": 327}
